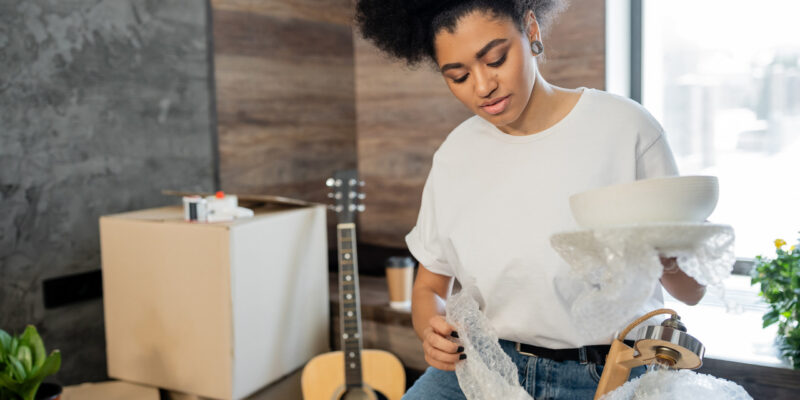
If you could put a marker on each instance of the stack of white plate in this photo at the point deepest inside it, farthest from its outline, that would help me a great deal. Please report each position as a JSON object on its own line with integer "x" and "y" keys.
{"x": 688, "y": 199}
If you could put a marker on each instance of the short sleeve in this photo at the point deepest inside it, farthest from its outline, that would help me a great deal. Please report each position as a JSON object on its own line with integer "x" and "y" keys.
{"x": 654, "y": 157}
{"x": 424, "y": 241}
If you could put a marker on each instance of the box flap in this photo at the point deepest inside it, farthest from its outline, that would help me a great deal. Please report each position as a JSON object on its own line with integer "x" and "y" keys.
{"x": 251, "y": 199}
{"x": 117, "y": 390}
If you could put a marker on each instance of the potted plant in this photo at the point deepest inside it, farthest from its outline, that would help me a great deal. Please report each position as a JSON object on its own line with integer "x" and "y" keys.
{"x": 24, "y": 364}
{"x": 780, "y": 287}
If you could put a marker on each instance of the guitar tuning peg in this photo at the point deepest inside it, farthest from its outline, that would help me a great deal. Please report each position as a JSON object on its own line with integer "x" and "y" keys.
{"x": 330, "y": 195}
{"x": 352, "y": 182}
{"x": 338, "y": 208}
{"x": 362, "y": 196}
{"x": 352, "y": 195}
{"x": 361, "y": 183}
{"x": 337, "y": 182}
{"x": 352, "y": 207}
{"x": 329, "y": 182}
{"x": 361, "y": 208}
{"x": 338, "y": 195}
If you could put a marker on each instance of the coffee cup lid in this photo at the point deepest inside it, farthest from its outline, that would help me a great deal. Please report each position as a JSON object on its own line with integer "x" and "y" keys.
{"x": 400, "y": 262}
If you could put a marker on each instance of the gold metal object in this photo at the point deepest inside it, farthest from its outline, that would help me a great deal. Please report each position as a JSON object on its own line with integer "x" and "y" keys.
{"x": 667, "y": 344}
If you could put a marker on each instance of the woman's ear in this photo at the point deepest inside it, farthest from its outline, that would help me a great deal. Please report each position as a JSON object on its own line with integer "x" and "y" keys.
{"x": 532, "y": 26}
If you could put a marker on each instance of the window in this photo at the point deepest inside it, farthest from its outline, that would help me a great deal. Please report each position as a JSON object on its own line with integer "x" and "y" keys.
{"x": 723, "y": 78}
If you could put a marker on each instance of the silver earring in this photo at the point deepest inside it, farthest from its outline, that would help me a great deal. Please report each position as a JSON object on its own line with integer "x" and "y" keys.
{"x": 537, "y": 47}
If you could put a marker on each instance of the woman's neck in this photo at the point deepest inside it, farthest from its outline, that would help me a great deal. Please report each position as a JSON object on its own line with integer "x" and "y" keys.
{"x": 547, "y": 105}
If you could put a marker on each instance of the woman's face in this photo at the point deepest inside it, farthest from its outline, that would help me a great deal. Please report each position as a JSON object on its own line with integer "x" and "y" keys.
{"x": 488, "y": 65}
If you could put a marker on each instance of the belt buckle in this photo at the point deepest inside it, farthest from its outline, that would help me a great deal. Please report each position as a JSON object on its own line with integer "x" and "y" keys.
{"x": 518, "y": 347}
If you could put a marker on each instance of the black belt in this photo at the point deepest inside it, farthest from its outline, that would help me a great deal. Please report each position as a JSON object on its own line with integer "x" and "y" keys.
{"x": 593, "y": 354}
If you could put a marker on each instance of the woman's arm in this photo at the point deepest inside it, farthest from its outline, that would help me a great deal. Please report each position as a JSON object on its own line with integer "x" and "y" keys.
{"x": 679, "y": 285}
{"x": 428, "y": 298}
{"x": 427, "y": 315}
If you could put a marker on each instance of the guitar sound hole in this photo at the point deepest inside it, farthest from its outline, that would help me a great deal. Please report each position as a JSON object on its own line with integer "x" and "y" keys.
{"x": 363, "y": 394}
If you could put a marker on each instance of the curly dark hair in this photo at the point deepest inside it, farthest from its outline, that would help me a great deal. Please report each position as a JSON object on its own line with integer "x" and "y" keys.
{"x": 405, "y": 29}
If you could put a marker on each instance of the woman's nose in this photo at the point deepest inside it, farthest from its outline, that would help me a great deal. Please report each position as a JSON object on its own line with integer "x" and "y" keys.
{"x": 485, "y": 84}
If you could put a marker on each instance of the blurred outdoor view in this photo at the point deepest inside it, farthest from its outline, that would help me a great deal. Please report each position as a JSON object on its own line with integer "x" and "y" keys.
{"x": 723, "y": 78}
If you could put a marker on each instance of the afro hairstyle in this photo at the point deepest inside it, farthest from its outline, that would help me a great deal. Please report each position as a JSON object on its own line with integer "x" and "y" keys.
{"x": 406, "y": 29}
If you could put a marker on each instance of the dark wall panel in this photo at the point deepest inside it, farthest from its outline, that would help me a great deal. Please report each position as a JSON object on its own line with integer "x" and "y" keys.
{"x": 102, "y": 105}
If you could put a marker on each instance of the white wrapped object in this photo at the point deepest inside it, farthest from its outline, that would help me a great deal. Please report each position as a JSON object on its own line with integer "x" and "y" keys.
{"x": 681, "y": 384}
{"x": 615, "y": 269}
{"x": 488, "y": 372}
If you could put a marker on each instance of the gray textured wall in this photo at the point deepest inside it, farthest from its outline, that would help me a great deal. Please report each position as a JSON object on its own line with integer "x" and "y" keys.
{"x": 102, "y": 105}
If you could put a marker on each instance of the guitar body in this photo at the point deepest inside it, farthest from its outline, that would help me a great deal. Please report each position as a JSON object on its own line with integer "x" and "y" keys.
{"x": 383, "y": 377}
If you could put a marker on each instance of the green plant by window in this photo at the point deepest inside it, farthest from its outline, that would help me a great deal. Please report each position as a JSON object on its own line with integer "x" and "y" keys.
{"x": 780, "y": 287}
{"x": 24, "y": 363}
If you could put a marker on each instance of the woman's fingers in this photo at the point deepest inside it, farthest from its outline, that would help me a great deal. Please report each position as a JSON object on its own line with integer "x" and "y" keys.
{"x": 440, "y": 343}
{"x": 439, "y": 365}
{"x": 441, "y": 355}
{"x": 440, "y": 325}
{"x": 440, "y": 352}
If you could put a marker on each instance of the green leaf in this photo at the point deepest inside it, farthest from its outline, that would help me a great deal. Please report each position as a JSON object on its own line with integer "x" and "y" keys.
{"x": 14, "y": 345}
{"x": 51, "y": 365}
{"x": 31, "y": 336}
{"x": 25, "y": 356}
{"x": 17, "y": 368}
{"x": 11, "y": 386}
{"x": 5, "y": 343}
{"x": 770, "y": 318}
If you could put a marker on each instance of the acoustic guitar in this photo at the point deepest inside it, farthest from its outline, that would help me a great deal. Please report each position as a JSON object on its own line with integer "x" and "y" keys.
{"x": 353, "y": 373}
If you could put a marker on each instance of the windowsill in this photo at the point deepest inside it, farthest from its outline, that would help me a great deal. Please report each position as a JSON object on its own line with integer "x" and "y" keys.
{"x": 736, "y": 335}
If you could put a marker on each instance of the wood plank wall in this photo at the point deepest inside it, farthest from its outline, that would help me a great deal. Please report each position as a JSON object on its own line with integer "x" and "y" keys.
{"x": 403, "y": 116}
{"x": 300, "y": 94}
{"x": 285, "y": 94}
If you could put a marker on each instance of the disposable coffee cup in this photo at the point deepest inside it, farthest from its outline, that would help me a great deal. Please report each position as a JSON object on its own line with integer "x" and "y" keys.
{"x": 400, "y": 279}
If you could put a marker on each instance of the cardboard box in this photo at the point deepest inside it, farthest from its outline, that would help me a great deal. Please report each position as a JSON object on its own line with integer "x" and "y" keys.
{"x": 217, "y": 310}
{"x": 110, "y": 390}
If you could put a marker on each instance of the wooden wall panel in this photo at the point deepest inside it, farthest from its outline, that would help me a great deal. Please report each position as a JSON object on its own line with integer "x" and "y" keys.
{"x": 403, "y": 116}
{"x": 575, "y": 46}
{"x": 285, "y": 94}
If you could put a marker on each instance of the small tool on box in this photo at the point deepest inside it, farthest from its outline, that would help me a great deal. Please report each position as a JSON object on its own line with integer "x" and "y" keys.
{"x": 218, "y": 208}
{"x": 667, "y": 345}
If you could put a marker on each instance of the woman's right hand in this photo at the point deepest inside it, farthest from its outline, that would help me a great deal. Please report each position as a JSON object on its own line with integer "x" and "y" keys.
{"x": 440, "y": 351}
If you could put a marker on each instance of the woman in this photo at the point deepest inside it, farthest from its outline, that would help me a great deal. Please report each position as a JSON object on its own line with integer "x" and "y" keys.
{"x": 499, "y": 186}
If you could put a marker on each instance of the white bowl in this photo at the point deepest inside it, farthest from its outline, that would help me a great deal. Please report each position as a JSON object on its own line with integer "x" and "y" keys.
{"x": 670, "y": 199}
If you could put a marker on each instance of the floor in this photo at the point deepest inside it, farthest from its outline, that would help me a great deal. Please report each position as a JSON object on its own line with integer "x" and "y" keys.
{"x": 287, "y": 388}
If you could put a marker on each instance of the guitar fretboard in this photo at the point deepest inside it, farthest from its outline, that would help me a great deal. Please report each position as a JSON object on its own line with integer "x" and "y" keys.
{"x": 350, "y": 310}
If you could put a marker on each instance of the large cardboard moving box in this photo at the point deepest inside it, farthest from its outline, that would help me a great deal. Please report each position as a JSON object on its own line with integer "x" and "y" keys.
{"x": 218, "y": 310}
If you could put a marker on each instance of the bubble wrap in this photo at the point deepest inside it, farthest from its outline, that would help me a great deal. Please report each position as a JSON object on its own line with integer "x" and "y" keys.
{"x": 488, "y": 372}
{"x": 615, "y": 269}
{"x": 666, "y": 384}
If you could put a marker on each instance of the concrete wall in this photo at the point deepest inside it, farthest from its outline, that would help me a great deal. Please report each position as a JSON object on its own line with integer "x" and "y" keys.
{"x": 102, "y": 105}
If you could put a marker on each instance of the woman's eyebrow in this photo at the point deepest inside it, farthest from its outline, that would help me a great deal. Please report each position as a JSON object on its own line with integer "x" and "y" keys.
{"x": 482, "y": 52}
{"x": 489, "y": 46}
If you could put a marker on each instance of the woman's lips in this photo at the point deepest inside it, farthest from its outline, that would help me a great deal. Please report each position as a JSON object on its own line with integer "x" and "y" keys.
{"x": 497, "y": 107}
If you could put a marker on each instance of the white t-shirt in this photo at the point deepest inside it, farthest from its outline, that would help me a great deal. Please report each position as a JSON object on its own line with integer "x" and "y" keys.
{"x": 492, "y": 201}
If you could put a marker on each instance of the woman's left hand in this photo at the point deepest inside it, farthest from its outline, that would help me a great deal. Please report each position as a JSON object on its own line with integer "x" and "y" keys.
{"x": 678, "y": 284}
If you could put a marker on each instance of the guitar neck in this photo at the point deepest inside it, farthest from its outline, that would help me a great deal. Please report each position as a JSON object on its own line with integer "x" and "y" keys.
{"x": 350, "y": 310}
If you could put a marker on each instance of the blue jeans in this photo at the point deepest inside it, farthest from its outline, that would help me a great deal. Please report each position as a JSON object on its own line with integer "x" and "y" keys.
{"x": 542, "y": 378}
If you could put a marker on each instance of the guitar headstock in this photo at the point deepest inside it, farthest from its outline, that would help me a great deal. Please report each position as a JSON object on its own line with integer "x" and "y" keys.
{"x": 346, "y": 195}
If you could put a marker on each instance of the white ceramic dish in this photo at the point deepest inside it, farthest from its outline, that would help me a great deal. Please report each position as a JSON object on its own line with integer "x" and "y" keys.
{"x": 656, "y": 200}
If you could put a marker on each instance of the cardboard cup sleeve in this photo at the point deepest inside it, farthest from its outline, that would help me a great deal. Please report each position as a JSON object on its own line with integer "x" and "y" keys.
{"x": 400, "y": 280}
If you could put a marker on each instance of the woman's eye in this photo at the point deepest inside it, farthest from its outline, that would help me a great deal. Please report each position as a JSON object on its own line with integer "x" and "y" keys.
{"x": 462, "y": 79}
{"x": 499, "y": 62}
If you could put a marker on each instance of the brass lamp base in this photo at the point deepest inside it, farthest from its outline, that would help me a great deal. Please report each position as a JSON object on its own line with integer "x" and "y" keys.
{"x": 667, "y": 344}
